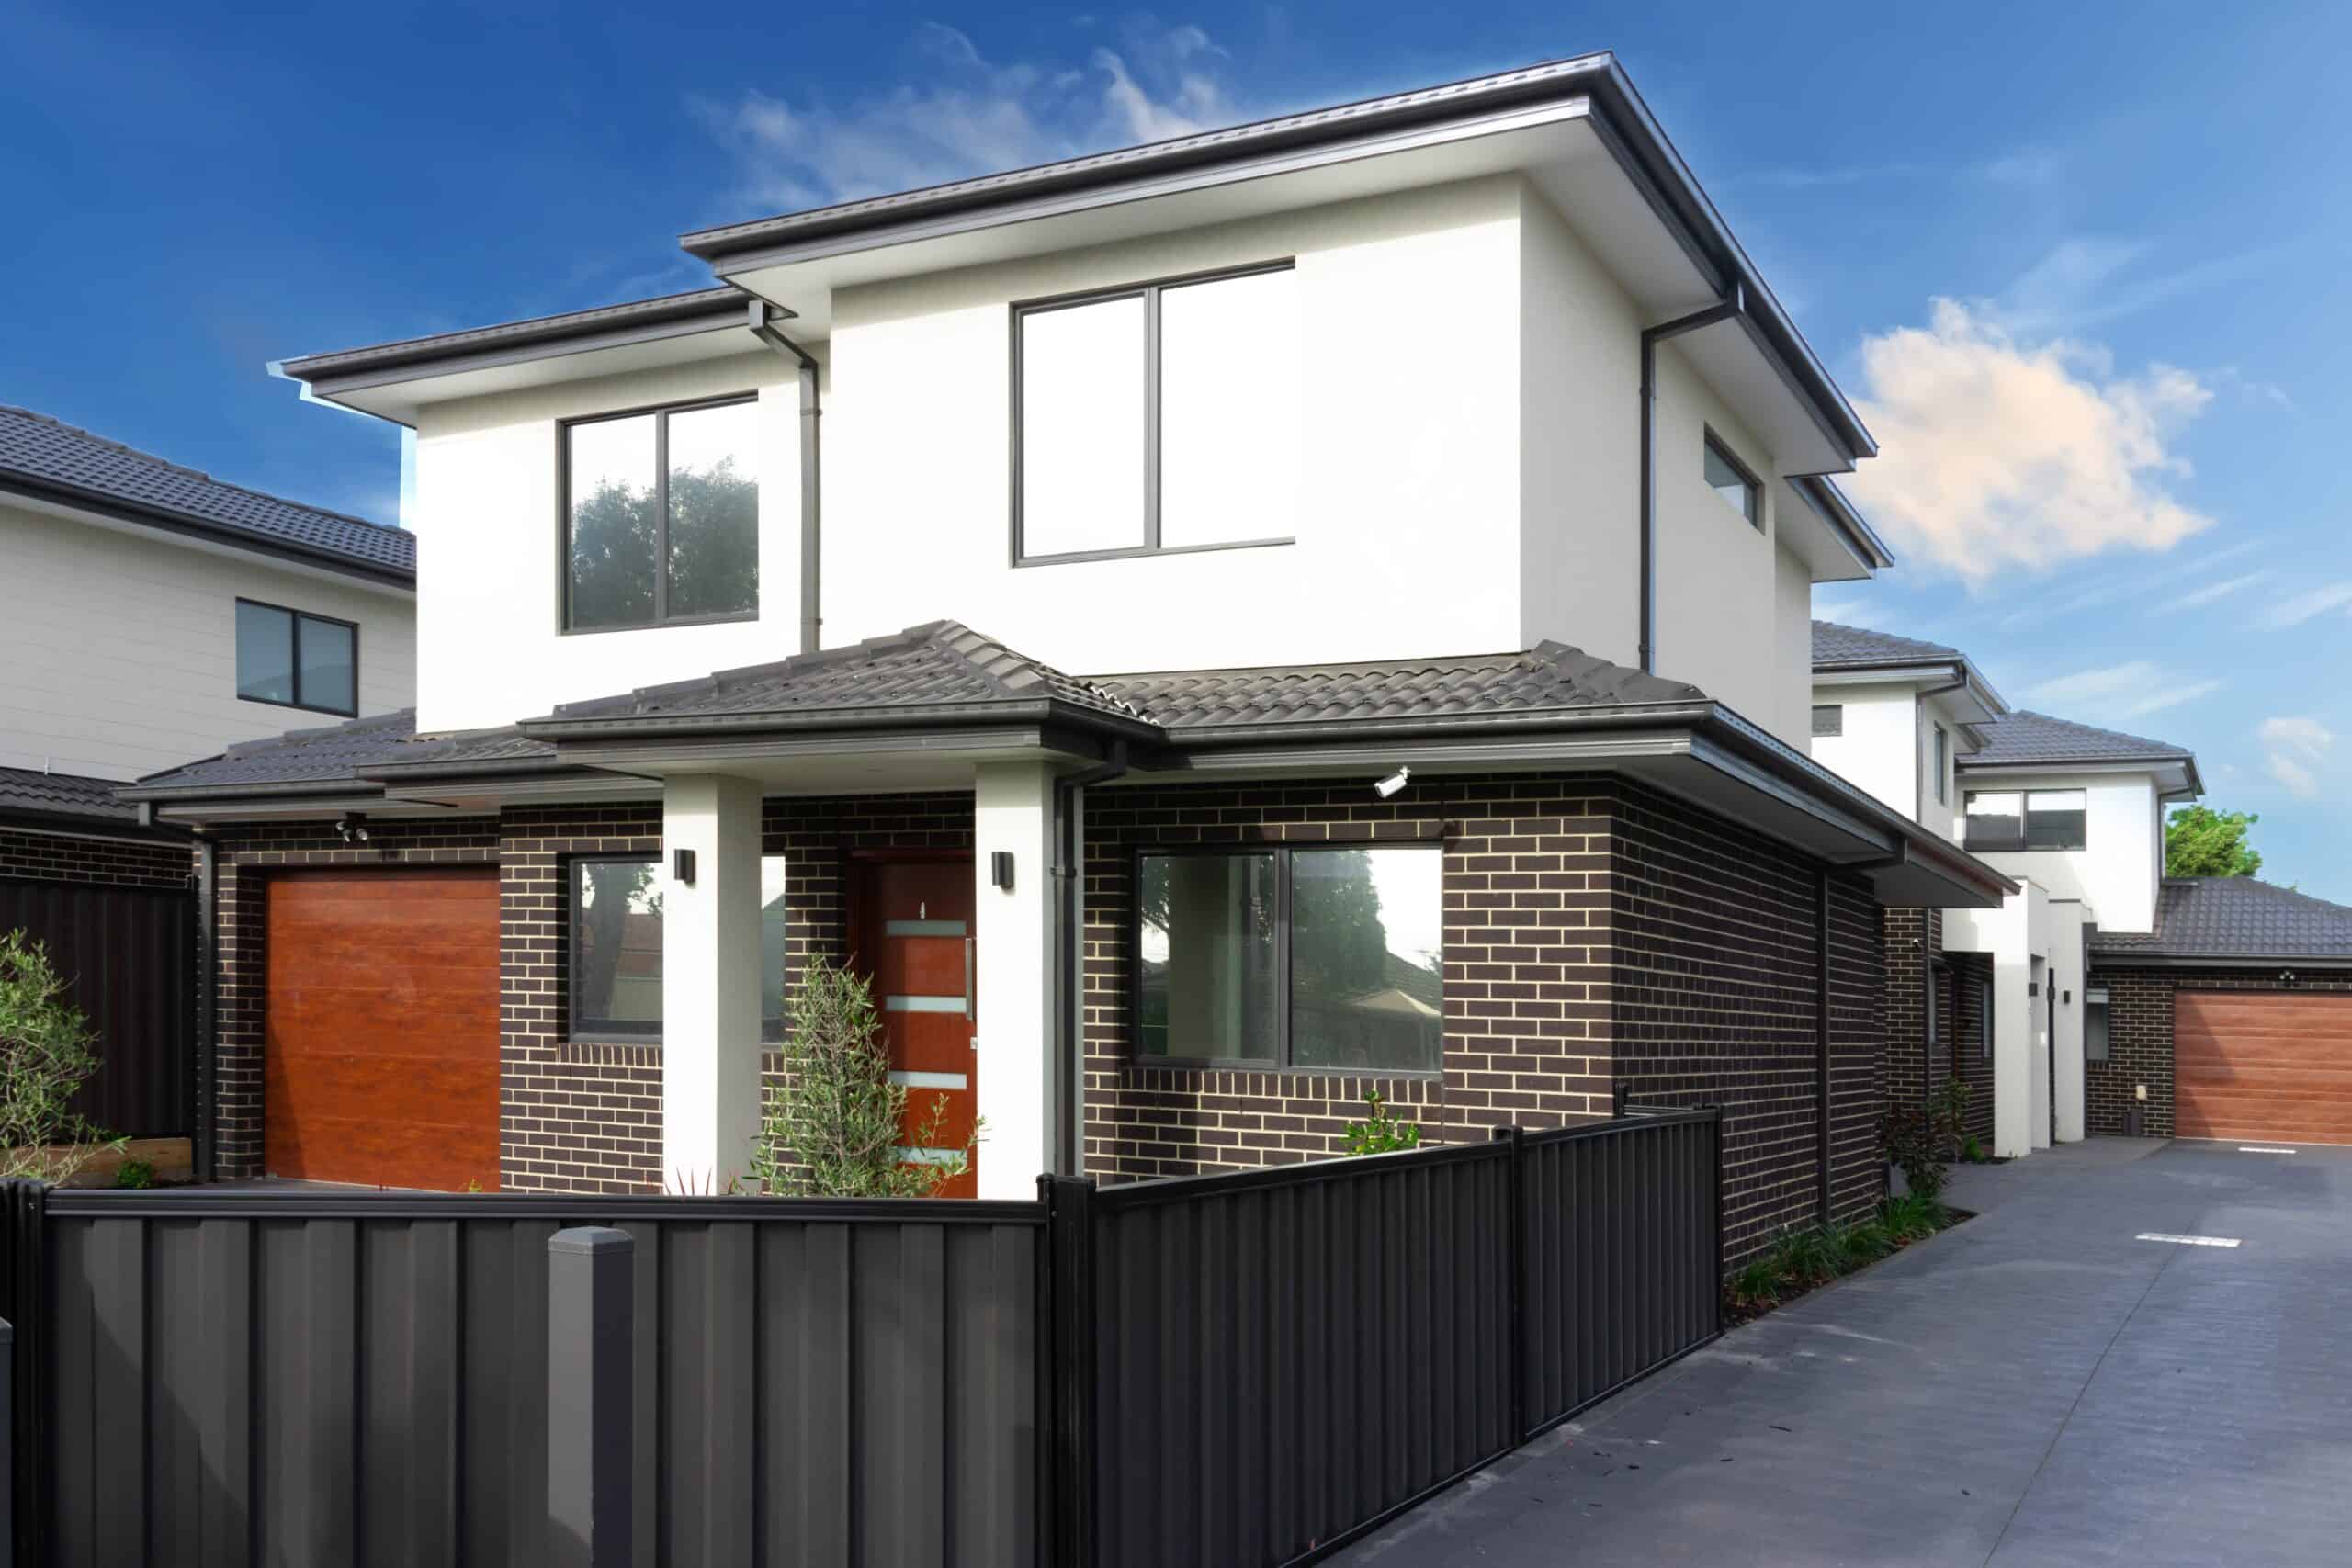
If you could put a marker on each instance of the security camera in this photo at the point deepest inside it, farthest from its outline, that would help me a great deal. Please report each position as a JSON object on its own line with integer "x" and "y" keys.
{"x": 352, "y": 829}
{"x": 1392, "y": 783}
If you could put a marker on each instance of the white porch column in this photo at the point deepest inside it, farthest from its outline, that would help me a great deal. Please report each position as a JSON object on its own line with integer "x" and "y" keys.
{"x": 710, "y": 981}
{"x": 1012, "y": 810}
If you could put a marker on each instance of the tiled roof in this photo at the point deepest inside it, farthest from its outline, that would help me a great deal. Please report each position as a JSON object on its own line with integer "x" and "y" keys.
{"x": 48, "y": 452}
{"x": 943, "y": 664}
{"x": 2030, "y": 738}
{"x": 63, "y": 794}
{"x": 947, "y": 667}
{"x": 2236, "y": 916}
{"x": 512, "y": 334}
{"x": 1546, "y": 676}
{"x": 337, "y": 753}
{"x": 1834, "y": 645}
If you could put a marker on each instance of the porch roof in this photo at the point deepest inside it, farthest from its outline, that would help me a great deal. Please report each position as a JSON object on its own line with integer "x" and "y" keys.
{"x": 942, "y": 692}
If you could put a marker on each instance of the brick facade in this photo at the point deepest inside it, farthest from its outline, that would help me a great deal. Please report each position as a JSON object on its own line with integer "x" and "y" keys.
{"x": 46, "y": 856}
{"x": 2140, "y": 1041}
{"x": 1970, "y": 975}
{"x": 1594, "y": 930}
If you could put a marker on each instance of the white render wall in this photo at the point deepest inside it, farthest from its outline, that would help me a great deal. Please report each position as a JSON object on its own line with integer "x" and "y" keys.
{"x": 1939, "y": 817}
{"x": 2117, "y": 873}
{"x": 1406, "y": 537}
{"x": 2016, "y": 936}
{"x": 118, "y": 648}
{"x": 1877, "y": 751}
{"x": 490, "y": 530}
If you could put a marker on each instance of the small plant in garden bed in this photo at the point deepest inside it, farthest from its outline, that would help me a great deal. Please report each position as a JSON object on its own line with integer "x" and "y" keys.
{"x": 136, "y": 1174}
{"x": 45, "y": 1058}
{"x": 1380, "y": 1132}
{"x": 1803, "y": 1260}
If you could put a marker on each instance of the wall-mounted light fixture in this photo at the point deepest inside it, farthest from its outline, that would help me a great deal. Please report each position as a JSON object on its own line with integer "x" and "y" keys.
{"x": 1392, "y": 783}
{"x": 1000, "y": 869}
{"x": 681, "y": 867}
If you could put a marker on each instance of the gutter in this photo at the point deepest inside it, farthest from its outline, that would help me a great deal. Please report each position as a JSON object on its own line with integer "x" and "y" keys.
{"x": 190, "y": 527}
{"x": 1732, "y": 306}
{"x": 811, "y": 495}
{"x": 1069, "y": 978}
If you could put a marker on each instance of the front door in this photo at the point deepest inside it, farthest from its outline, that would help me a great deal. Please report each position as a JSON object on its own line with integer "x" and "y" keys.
{"x": 912, "y": 937}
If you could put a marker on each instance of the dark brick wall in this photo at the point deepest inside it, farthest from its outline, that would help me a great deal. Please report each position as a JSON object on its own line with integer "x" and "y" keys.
{"x": 1717, "y": 1003}
{"x": 1914, "y": 940}
{"x": 61, "y": 857}
{"x": 1971, "y": 1062}
{"x": 1857, "y": 1050}
{"x": 573, "y": 1116}
{"x": 1525, "y": 963}
{"x": 2139, "y": 1044}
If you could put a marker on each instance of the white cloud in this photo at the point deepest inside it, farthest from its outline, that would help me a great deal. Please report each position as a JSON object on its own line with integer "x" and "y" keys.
{"x": 2131, "y": 690}
{"x": 2211, "y": 591}
{"x": 971, "y": 114}
{"x": 2294, "y": 746}
{"x": 1994, "y": 453}
{"x": 2297, "y": 608}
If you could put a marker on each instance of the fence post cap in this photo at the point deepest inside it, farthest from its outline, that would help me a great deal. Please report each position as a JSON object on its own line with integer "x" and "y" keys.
{"x": 592, "y": 1238}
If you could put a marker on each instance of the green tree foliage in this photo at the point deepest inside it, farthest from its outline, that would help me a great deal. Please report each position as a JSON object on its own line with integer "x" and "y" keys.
{"x": 45, "y": 1058}
{"x": 714, "y": 547}
{"x": 833, "y": 1129}
{"x": 2201, "y": 841}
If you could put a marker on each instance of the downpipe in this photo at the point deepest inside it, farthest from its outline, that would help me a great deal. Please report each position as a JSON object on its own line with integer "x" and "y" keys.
{"x": 811, "y": 493}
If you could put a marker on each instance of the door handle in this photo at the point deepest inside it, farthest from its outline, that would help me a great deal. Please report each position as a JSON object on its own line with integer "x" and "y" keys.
{"x": 969, "y": 1012}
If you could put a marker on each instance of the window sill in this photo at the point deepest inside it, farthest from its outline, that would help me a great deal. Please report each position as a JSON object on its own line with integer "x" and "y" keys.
{"x": 1146, "y": 552}
{"x": 663, "y": 626}
{"x": 300, "y": 708}
{"x": 1210, "y": 1065}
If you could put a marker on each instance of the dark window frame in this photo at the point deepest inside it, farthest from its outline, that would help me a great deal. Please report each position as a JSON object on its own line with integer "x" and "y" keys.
{"x": 1281, "y": 855}
{"x": 660, "y": 412}
{"x": 1837, "y": 721}
{"x": 295, "y": 619}
{"x": 1985, "y": 1020}
{"x": 2098, "y": 1000}
{"x": 1753, "y": 515}
{"x": 1149, "y": 292}
{"x": 2023, "y": 844}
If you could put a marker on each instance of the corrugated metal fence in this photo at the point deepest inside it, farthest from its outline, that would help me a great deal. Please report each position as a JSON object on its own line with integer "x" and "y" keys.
{"x": 131, "y": 954}
{"x": 1233, "y": 1371}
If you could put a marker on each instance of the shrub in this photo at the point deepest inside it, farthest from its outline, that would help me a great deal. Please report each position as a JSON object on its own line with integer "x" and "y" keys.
{"x": 1380, "y": 1132}
{"x": 1912, "y": 1218}
{"x": 833, "y": 1129}
{"x": 137, "y": 1174}
{"x": 1919, "y": 1143}
{"x": 45, "y": 1058}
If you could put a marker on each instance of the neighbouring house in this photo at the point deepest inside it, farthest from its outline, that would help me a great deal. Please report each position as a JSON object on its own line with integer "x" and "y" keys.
{"x": 2060, "y": 1008}
{"x": 155, "y": 613}
{"x": 1211, "y": 629}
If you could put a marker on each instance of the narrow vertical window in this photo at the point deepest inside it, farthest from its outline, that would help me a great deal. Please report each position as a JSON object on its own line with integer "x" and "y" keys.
{"x": 1943, "y": 766}
{"x": 1730, "y": 478}
{"x": 2095, "y": 1024}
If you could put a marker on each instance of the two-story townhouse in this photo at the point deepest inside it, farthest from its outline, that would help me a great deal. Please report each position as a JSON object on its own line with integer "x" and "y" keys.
{"x": 1430, "y": 492}
{"x": 155, "y": 613}
{"x": 2101, "y": 996}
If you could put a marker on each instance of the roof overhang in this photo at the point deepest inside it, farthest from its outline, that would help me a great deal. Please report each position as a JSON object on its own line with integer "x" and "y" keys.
{"x": 85, "y": 825}
{"x": 2176, "y": 776}
{"x": 2104, "y": 958}
{"x": 99, "y": 508}
{"x": 1958, "y": 682}
{"x": 395, "y": 381}
{"x": 1822, "y": 528}
{"x": 1576, "y": 128}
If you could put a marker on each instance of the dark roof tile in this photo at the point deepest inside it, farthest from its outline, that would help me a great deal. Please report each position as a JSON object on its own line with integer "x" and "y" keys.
{"x": 2236, "y": 916}
{"x": 36, "y": 449}
{"x": 63, "y": 795}
{"x": 1835, "y": 645}
{"x": 2024, "y": 738}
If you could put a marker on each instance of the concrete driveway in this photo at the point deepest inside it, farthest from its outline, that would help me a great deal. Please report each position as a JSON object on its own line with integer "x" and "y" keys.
{"x": 2037, "y": 1386}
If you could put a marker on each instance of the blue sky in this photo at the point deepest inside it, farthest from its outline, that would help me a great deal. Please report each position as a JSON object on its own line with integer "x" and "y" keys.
{"x": 2083, "y": 268}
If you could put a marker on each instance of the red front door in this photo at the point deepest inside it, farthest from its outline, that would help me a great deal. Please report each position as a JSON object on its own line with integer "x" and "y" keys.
{"x": 914, "y": 943}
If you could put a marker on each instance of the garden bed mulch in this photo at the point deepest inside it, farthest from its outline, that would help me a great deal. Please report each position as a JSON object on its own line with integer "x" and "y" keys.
{"x": 1739, "y": 1309}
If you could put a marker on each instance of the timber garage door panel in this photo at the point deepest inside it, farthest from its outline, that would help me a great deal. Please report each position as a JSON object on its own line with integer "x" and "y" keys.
{"x": 380, "y": 1046}
{"x": 2272, "y": 1065}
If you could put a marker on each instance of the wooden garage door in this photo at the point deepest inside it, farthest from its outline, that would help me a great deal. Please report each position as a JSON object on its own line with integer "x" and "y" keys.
{"x": 380, "y": 1036}
{"x": 2271, "y": 1066}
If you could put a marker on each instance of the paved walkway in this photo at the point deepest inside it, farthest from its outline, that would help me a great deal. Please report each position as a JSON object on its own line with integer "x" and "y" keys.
{"x": 2035, "y": 1387}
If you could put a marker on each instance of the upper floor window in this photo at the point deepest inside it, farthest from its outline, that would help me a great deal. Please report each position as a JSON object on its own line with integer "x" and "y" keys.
{"x": 1730, "y": 478}
{"x": 1943, "y": 766}
{"x": 1828, "y": 719}
{"x": 2027, "y": 819}
{"x": 297, "y": 659}
{"x": 1163, "y": 416}
{"x": 661, "y": 516}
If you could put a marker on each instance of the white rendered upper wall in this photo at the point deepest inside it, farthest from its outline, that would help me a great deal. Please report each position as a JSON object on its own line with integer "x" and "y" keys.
{"x": 2116, "y": 871}
{"x": 1876, "y": 747}
{"x": 119, "y": 646}
{"x": 1466, "y": 474}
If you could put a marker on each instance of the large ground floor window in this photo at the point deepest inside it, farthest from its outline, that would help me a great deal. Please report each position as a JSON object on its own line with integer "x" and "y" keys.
{"x": 616, "y": 949}
{"x": 1319, "y": 958}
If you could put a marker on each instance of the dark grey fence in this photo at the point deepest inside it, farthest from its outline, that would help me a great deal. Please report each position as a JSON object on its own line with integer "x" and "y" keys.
{"x": 290, "y": 1378}
{"x": 1233, "y": 1371}
{"x": 131, "y": 954}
